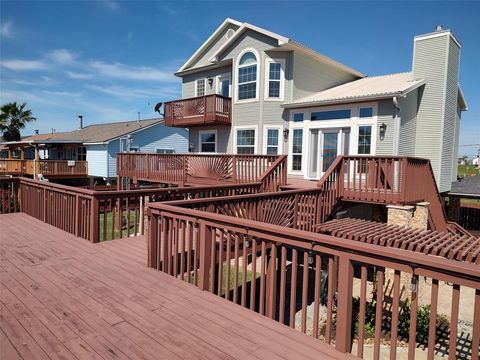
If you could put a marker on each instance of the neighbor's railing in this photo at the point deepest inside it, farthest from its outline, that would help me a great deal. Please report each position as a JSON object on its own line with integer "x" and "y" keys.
{"x": 308, "y": 280}
{"x": 9, "y": 195}
{"x": 202, "y": 110}
{"x": 12, "y": 167}
{"x": 469, "y": 216}
{"x": 44, "y": 167}
{"x": 98, "y": 215}
{"x": 202, "y": 168}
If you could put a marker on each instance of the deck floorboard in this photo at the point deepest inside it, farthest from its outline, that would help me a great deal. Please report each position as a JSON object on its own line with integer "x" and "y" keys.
{"x": 65, "y": 298}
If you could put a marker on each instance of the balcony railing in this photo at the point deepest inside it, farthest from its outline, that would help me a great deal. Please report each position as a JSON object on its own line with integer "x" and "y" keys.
{"x": 45, "y": 167}
{"x": 203, "y": 110}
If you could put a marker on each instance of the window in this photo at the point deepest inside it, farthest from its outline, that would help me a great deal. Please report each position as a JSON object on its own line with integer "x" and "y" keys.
{"x": 208, "y": 141}
{"x": 247, "y": 76}
{"x": 297, "y": 149}
{"x": 331, "y": 115}
{"x": 165, "y": 151}
{"x": 272, "y": 141}
{"x": 274, "y": 78}
{"x": 200, "y": 87}
{"x": 298, "y": 117}
{"x": 246, "y": 141}
{"x": 364, "y": 139}
{"x": 366, "y": 112}
{"x": 82, "y": 153}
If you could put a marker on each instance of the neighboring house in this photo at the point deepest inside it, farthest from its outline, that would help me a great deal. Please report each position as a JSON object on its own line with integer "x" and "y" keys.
{"x": 277, "y": 96}
{"x": 98, "y": 144}
{"x": 476, "y": 161}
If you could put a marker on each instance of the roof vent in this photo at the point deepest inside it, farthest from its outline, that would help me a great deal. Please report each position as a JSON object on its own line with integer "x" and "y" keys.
{"x": 439, "y": 28}
{"x": 229, "y": 33}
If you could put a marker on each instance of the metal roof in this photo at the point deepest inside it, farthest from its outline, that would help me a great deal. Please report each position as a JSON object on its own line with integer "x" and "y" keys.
{"x": 369, "y": 88}
{"x": 445, "y": 244}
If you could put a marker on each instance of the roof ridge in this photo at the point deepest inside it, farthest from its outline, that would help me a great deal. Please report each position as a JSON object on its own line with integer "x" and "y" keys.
{"x": 118, "y": 122}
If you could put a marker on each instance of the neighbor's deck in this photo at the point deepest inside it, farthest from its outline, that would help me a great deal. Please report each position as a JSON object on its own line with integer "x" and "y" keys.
{"x": 64, "y": 297}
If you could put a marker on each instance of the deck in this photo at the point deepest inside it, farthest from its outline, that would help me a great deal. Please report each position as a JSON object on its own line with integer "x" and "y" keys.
{"x": 64, "y": 297}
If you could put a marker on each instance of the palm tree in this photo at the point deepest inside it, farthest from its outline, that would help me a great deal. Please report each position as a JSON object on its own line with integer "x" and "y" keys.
{"x": 14, "y": 117}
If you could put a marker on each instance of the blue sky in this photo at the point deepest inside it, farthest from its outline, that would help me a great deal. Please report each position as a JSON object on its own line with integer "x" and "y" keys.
{"x": 110, "y": 59}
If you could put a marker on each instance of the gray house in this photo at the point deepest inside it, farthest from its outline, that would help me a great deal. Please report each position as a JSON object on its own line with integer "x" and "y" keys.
{"x": 247, "y": 90}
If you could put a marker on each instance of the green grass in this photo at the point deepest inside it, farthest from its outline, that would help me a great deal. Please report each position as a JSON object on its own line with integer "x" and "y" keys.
{"x": 116, "y": 233}
{"x": 468, "y": 170}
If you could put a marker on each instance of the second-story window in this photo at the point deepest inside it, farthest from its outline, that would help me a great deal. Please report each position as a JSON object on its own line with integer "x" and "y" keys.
{"x": 200, "y": 87}
{"x": 274, "y": 79}
{"x": 247, "y": 76}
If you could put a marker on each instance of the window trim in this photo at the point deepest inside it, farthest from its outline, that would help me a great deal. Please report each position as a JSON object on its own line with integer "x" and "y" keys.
{"x": 162, "y": 148}
{"x": 280, "y": 138}
{"x": 269, "y": 61}
{"x": 200, "y": 133}
{"x": 290, "y": 151}
{"x": 204, "y": 84}
{"x": 218, "y": 84}
{"x": 236, "y": 85}
{"x": 252, "y": 127}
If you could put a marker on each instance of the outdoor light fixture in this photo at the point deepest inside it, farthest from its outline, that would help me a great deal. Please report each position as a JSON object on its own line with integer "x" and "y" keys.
{"x": 383, "y": 129}
{"x": 310, "y": 257}
{"x": 414, "y": 284}
{"x": 210, "y": 82}
{"x": 285, "y": 134}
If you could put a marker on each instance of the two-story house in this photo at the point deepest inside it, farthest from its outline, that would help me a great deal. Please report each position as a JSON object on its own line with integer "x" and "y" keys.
{"x": 247, "y": 90}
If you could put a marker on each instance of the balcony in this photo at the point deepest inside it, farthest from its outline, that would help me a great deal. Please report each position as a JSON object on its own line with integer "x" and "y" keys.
{"x": 48, "y": 168}
{"x": 203, "y": 110}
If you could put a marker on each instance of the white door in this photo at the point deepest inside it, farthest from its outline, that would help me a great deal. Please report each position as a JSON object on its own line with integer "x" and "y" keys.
{"x": 224, "y": 85}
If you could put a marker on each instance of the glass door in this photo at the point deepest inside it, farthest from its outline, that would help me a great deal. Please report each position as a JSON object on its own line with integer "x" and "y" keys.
{"x": 224, "y": 85}
{"x": 329, "y": 148}
{"x": 314, "y": 154}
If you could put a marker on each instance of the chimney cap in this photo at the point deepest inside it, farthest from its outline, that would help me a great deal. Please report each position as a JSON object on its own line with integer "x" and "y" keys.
{"x": 439, "y": 27}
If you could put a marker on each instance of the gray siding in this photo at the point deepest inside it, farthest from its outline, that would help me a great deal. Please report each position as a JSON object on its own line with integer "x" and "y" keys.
{"x": 436, "y": 60}
{"x": 207, "y": 54}
{"x": 386, "y": 114}
{"x": 408, "y": 124}
{"x": 188, "y": 81}
{"x": 223, "y": 136}
{"x": 312, "y": 76}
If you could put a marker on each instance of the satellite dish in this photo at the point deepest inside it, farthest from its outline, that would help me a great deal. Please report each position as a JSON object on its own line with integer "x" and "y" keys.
{"x": 158, "y": 106}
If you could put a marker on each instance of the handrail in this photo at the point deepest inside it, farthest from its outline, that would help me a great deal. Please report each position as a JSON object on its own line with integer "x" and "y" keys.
{"x": 275, "y": 176}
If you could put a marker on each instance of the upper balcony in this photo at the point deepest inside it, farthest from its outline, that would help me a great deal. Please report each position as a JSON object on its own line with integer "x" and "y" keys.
{"x": 202, "y": 110}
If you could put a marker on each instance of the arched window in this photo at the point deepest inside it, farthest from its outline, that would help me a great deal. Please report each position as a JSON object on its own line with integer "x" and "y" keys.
{"x": 247, "y": 76}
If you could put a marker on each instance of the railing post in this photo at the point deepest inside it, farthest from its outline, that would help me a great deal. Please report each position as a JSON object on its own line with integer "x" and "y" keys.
{"x": 341, "y": 178}
{"x": 94, "y": 226}
{"x": 77, "y": 212}
{"x": 205, "y": 251}
{"x": 152, "y": 243}
{"x": 344, "y": 305}
{"x": 234, "y": 168}
{"x": 403, "y": 169}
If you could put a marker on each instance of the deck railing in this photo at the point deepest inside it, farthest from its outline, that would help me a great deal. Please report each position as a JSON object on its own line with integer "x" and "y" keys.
{"x": 98, "y": 215}
{"x": 44, "y": 167}
{"x": 204, "y": 169}
{"x": 9, "y": 195}
{"x": 202, "y": 110}
{"x": 309, "y": 281}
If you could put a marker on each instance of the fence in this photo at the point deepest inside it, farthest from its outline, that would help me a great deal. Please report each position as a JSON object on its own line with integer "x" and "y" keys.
{"x": 307, "y": 280}
{"x": 469, "y": 217}
{"x": 9, "y": 197}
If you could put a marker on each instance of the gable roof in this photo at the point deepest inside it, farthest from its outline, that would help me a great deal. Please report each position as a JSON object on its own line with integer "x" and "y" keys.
{"x": 368, "y": 88}
{"x": 283, "y": 41}
{"x": 96, "y": 133}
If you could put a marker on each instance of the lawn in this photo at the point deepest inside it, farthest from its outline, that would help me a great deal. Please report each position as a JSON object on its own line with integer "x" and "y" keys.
{"x": 468, "y": 170}
{"x": 116, "y": 234}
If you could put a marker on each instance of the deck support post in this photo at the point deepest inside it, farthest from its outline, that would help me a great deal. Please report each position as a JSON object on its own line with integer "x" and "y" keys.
{"x": 205, "y": 253}
{"x": 344, "y": 310}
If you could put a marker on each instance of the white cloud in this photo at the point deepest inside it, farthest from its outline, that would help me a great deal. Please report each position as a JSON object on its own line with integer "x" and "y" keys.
{"x": 21, "y": 65}
{"x": 111, "y": 5}
{"x": 78, "y": 76}
{"x": 62, "y": 56}
{"x": 125, "y": 72}
{"x": 6, "y": 30}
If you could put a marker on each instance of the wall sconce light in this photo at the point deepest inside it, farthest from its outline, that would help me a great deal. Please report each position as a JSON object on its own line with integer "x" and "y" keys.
{"x": 210, "y": 82}
{"x": 285, "y": 134}
{"x": 383, "y": 129}
{"x": 414, "y": 284}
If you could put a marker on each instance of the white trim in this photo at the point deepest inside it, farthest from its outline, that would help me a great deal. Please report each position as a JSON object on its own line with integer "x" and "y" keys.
{"x": 290, "y": 151}
{"x": 248, "y": 127}
{"x": 437, "y": 34}
{"x": 218, "y": 82}
{"x": 209, "y": 40}
{"x": 164, "y": 148}
{"x": 269, "y": 61}
{"x": 215, "y": 131}
{"x": 235, "y": 69}
{"x": 280, "y": 137}
{"x": 204, "y": 86}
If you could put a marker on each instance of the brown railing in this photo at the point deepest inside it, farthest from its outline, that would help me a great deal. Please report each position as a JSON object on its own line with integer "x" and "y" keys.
{"x": 9, "y": 196}
{"x": 105, "y": 214}
{"x": 469, "y": 217}
{"x": 328, "y": 287}
{"x": 204, "y": 169}
{"x": 44, "y": 167}
{"x": 203, "y": 110}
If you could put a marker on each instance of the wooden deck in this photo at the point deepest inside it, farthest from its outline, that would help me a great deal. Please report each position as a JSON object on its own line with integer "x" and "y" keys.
{"x": 64, "y": 297}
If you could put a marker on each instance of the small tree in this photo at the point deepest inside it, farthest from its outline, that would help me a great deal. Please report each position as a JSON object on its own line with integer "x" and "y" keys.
{"x": 13, "y": 118}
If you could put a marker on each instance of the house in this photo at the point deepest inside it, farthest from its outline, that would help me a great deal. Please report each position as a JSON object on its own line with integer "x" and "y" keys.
{"x": 96, "y": 146}
{"x": 248, "y": 90}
